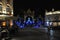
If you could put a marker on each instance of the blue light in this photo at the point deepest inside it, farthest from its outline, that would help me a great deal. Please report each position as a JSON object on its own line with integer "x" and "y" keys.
{"x": 29, "y": 21}
{"x": 39, "y": 22}
{"x": 36, "y": 26}
{"x": 47, "y": 23}
{"x": 19, "y": 24}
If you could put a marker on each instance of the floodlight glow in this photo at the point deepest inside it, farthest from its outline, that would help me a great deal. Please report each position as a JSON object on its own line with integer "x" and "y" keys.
{"x": 47, "y": 23}
{"x": 48, "y": 13}
{"x": 12, "y": 12}
{"x": 4, "y": 11}
{"x": 50, "y": 23}
{"x": 4, "y": 23}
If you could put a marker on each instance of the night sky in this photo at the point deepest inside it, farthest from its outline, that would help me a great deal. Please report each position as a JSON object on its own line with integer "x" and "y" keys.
{"x": 37, "y": 5}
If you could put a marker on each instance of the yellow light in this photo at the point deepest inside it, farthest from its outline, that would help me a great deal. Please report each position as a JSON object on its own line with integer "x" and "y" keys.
{"x": 4, "y": 11}
{"x": 48, "y": 13}
{"x": 4, "y": 23}
{"x": 12, "y": 13}
{"x": 11, "y": 23}
{"x": 59, "y": 23}
{"x": 54, "y": 24}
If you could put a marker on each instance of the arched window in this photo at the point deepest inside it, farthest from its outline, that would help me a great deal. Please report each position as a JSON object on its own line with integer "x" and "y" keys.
{"x": 0, "y": 7}
{"x": 8, "y": 10}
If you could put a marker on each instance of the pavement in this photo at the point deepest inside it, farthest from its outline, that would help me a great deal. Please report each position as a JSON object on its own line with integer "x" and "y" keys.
{"x": 37, "y": 34}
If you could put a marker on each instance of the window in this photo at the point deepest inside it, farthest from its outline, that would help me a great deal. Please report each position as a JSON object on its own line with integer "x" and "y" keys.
{"x": 8, "y": 10}
{"x": 59, "y": 23}
{"x": 0, "y": 7}
{"x": 56, "y": 18}
{"x": 54, "y": 23}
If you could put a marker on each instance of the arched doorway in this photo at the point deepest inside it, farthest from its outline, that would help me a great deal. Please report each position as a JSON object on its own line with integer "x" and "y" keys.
{"x": 29, "y": 21}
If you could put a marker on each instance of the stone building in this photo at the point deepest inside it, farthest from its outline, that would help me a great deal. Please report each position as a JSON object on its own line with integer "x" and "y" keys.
{"x": 6, "y": 11}
{"x": 52, "y": 18}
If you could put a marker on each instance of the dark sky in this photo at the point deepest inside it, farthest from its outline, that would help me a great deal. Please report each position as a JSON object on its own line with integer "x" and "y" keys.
{"x": 37, "y": 5}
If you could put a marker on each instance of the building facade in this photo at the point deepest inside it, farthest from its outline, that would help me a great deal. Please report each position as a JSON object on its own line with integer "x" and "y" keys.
{"x": 6, "y": 11}
{"x": 28, "y": 13}
{"x": 52, "y": 18}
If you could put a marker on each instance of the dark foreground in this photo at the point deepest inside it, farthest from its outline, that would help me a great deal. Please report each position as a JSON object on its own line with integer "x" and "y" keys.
{"x": 37, "y": 35}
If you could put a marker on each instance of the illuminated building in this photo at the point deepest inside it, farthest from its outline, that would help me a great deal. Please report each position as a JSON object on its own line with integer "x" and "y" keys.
{"x": 6, "y": 11}
{"x": 52, "y": 18}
